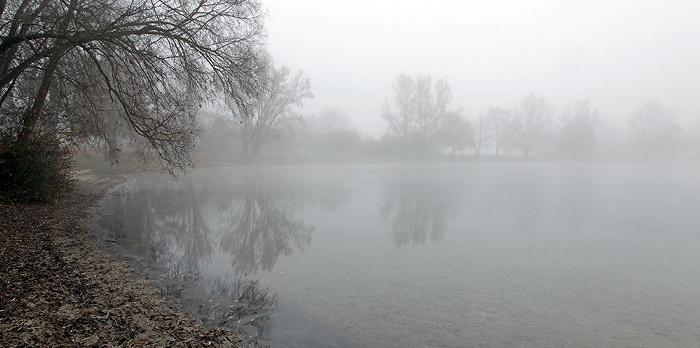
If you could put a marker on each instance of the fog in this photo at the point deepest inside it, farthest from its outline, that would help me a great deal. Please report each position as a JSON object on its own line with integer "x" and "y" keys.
{"x": 479, "y": 226}
{"x": 618, "y": 55}
{"x": 429, "y": 254}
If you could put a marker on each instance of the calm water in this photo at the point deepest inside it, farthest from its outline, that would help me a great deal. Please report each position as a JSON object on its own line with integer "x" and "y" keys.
{"x": 443, "y": 255}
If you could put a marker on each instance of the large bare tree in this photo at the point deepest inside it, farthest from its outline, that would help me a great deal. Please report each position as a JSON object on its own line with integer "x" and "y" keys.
{"x": 420, "y": 111}
{"x": 268, "y": 116}
{"x": 87, "y": 68}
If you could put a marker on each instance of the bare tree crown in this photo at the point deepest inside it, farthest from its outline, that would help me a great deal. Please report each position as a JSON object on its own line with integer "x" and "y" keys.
{"x": 147, "y": 63}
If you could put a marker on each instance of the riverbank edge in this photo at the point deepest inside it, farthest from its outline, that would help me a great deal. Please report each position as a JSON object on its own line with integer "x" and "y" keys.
{"x": 59, "y": 286}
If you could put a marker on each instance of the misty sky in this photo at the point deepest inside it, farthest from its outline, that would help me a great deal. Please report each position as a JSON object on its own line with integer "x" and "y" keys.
{"x": 617, "y": 54}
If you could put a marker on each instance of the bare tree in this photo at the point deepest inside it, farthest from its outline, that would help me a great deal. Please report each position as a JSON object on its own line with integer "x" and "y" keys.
{"x": 498, "y": 123}
{"x": 431, "y": 107}
{"x": 483, "y": 134}
{"x": 532, "y": 124}
{"x": 457, "y": 133}
{"x": 268, "y": 116}
{"x": 420, "y": 111}
{"x": 578, "y": 131}
{"x": 90, "y": 67}
{"x": 328, "y": 120}
{"x": 402, "y": 123}
{"x": 330, "y": 132}
{"x": 651, "y": 125}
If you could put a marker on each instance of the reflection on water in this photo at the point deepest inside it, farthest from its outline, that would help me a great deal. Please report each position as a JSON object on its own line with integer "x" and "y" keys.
{"x": 416, "y": 204}
{"x": 186, "y": 228}
{"x": 444, "y": 255}
{"x": 413, "y": 218}
{"x": 235, "y": 303}
{"x": 260, "y": 226}
{"x": 185, "y": 223}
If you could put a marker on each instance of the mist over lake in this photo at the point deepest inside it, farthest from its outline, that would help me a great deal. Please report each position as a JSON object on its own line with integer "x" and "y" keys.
{"x": 427, "y": 255}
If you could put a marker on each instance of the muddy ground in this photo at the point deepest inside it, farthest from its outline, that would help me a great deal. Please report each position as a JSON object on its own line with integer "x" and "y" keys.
{"x": 59, "y": 287}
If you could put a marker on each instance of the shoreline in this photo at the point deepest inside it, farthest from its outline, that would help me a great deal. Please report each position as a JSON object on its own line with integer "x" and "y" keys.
{"x": 59, "y": 286}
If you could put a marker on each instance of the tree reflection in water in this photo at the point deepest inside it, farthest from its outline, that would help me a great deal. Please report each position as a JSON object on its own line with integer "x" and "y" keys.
{"x": 416, "y": 211}
{"x": 236, "y": 303}
{"x": 181, "y": 226}
{"x": 262, "y": 227}
{"x": 413, "y": 218}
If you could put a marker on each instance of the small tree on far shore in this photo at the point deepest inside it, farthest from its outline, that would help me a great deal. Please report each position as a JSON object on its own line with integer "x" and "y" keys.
{"x": 531, "y": 125}
{"x": 578, "y": 130}
{"x": 653, "y": 127}
{"x": 499, "y": 123}
{"x": 456, "y": 133}
{"x": 483, "y": 134}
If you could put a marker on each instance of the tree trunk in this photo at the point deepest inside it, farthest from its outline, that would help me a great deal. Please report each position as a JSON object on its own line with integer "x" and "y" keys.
{"x": 31, "y": 116}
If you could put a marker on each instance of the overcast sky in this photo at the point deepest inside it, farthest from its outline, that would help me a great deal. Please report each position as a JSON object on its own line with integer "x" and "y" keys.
{"x": 617, "y": 54}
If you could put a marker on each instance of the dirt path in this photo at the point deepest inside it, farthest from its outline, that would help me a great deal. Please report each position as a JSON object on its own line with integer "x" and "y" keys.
{"x": 59, "y": 287}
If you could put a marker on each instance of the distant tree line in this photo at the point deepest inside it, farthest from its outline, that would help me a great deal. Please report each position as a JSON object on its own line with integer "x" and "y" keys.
{"x": 139, "y": 74}
{"x": 421, "y": 122}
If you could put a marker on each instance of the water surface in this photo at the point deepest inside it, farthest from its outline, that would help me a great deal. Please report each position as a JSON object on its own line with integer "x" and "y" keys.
{"x": 436, "y": 255}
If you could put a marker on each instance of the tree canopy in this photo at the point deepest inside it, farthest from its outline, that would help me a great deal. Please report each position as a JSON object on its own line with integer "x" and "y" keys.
{"x": 531, "y": 124}
{"x": 87, "y": 70}
{"x": 578, "y": 130}
{"x": 420, "y": 109}
{"x": 654, "y": 128}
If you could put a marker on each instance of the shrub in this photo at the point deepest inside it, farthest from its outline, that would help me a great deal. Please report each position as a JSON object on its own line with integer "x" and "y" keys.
{"x": 39, "y": 171}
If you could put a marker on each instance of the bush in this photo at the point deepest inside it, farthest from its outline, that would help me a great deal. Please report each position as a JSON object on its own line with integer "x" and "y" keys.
{"x": 39, "y": 171}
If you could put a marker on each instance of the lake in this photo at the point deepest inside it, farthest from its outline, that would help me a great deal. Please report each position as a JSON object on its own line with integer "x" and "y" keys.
{"x": 425, "y": 255}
